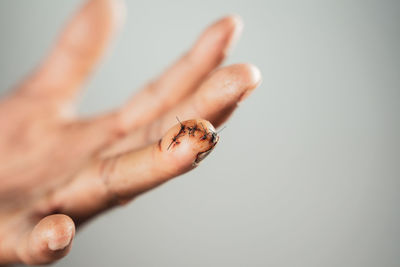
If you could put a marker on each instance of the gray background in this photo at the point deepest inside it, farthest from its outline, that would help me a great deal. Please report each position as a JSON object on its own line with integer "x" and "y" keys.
{"x": 307, "y": 172}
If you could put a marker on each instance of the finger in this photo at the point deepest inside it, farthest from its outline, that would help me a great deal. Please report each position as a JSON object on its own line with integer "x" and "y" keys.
{"x": 215, "y": 101}
{"x": 177, "y": 82}
{"x": 76, "y": 52}
{"x": 219, "y": 96}
{"x": 49, "y": 240}
{"x": 112, "y": 180}
{"x": 184, "y": 76}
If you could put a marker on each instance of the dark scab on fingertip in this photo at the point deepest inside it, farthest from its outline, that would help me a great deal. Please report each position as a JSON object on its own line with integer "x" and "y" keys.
{"x": 213, "y": 140}
{"x": 206, "y": 137}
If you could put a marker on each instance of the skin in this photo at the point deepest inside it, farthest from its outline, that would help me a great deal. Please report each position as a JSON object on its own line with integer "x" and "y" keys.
{"x": 59, "y": 170}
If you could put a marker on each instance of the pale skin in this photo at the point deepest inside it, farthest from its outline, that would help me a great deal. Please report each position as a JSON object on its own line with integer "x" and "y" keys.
{"x": 59, "y": 170}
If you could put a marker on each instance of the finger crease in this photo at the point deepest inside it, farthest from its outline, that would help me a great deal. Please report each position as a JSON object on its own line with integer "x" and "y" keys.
{"x": 107, "y": 169}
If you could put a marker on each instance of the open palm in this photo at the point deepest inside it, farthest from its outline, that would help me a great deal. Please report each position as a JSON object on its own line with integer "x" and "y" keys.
{"x": 58, "y": 170}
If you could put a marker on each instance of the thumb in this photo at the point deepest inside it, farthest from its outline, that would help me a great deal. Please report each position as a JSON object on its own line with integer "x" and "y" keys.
{"x": 48, "y": 241}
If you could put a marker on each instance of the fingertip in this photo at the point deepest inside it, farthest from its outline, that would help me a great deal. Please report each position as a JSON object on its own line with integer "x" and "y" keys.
{"x": 118, "y": 11}
{"x": 94, "y": 24}
{"x": 235, "y": 24}
{"x": 61, "y": 230}
{"x": 231, "y": 22}
{"x": 217, "y": 41}
{"x": 251, "y": 78}
{"x": 230, "y": 85}
{"x": 187, "y": 143}
{"x": 112, "y": 11}
{"x": 237, "y": 19}
{"x": 221, "y": 93}
{"x": 50, "y": 240}
{"x": 246, "y": 73}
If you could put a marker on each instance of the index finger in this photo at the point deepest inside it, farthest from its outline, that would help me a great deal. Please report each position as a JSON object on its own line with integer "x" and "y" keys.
{"x": 117, "y": 179}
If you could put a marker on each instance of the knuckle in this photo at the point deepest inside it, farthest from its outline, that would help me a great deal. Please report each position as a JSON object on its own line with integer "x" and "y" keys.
{"x": 107, "y": 171}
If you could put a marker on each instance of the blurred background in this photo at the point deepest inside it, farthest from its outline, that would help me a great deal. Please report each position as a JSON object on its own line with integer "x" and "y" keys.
{"x": 307, "y": 170}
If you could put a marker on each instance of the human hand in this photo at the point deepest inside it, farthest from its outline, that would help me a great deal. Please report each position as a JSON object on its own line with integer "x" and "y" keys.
{"x": 58, "y": 170}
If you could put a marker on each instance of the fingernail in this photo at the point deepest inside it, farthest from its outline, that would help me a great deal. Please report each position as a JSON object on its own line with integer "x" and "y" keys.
{"x": 211, "y": 137}
{"x": 237, "y": 31}
{"x": 254, "y": 81}
{"x": 238, "y": 27}
{"x": 200, "y": 156}
{"x": 55, "y": 244}
{"x": 119, "y": 12}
